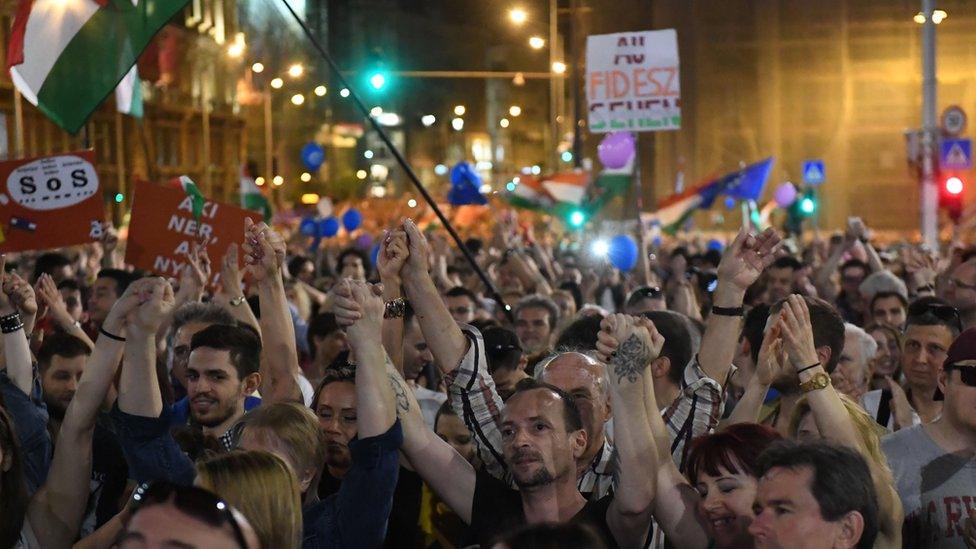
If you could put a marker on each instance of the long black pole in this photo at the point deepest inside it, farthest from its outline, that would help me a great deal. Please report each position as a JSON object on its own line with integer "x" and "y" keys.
{"x": 400, "y": 160}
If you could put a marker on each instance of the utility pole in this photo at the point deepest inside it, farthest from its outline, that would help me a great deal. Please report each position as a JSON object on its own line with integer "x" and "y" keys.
{"x": 551, "y": 155}
{"x": 929, "y": 189}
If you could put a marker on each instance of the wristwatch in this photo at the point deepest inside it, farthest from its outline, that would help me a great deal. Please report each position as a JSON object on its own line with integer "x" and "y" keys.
{"x": 820, "y": 380}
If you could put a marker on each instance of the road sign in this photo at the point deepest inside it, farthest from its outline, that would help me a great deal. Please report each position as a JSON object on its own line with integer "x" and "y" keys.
{"x": 957, "y": 154}
{"x": 954, "y": 120}
{"x": 813, "y": 172}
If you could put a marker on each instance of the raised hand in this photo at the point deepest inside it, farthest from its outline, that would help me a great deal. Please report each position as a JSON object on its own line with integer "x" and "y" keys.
{"x": 419, "y": 250}
{"x": 371, "y": 307}
{"x": 856, "y": 229}
{"x": 264, "y": 251}
{"x": 153, "y": 302}
{"x": 798, "y": 332}
{"x": 901, "y": 408}
{"x": 394, "y": 252}
{"x": 773, "y": 359}
{"x": 21, "y": 294}
{"x": 110, "y": 238}
{"x": 230, "y": 274}
{"x": 747, "y": 257}
{"x": 196, "y": 273}
{"x": 49, "y": 295}
{"x": 627, "y": 346}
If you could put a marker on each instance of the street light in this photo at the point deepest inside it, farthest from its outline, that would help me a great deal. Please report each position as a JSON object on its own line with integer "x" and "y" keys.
{"x": 278, "y": 181}
{"x": 320, "y": 90}
{"x": 257, "y": 68}
{"x": 411, "y": 203}
{"x": 515, "y": 111}
{"x": 368, "y": 154}
{"x": 503, "y": 122}
{"x": 428, "y": 120}
{"x": 537, "y": 42}
{"x": 235, "y": 50}
{"x": 306, "y": 177}
{"x": 297, "y": 99}
{"x": 277, "y": 83}
{"x": 296, "y": 70}
{"x": 558, "y": 67}
{"x": 459, "y": 110}
{"x": 457, "y": 124}
{"x": 376, "y": 111}
{"x": 518, "y": 15}
{"x": 938, "y": 16}
{"x": 259, "y": 181}
{"x": 361, "y": 174}
{"x": 344, "y": 92}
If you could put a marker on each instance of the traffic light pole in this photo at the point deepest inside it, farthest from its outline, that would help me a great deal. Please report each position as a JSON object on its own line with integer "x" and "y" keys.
{"x": 929, "y": 188}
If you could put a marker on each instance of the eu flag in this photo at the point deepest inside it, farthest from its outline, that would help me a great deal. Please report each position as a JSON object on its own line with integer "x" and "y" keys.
{"x": 747, "y": 183}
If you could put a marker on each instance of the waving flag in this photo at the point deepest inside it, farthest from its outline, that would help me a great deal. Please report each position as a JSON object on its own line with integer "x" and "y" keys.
{"x": 529, "y": 194}
{"x": 747, "y": 183}
{"x": 67, "y": 56}
{"x": 192, "y": 192}
{"x": 675, "y": 209}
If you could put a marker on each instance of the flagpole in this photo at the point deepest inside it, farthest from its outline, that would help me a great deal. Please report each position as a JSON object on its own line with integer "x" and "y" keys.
{"x": 400, "y": 160}
{"x": 18, "y": 124}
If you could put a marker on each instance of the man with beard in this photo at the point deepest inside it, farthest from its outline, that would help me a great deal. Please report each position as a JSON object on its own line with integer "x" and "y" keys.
{"x": 61, "y": 361}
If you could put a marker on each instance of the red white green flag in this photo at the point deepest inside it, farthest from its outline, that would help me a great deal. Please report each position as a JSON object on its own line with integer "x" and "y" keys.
{"x": 67, "y": 56}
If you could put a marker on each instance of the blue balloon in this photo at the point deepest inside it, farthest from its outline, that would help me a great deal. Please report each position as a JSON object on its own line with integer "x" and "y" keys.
{"x": 328, "y": 227}
{"x": 464, "y": 171}
{"x": 623, "y": 252}
{"x": 313, "y": 156}
{"x": 375, "y": 254}
{"x": 352, "y": 219}
{"x": 729, "y": 202}
{"x": 308, "y": 227}
{"x": 715, "y": 244}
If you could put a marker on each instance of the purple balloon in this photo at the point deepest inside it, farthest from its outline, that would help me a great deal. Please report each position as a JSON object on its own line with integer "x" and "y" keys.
{"x": 364, "y": 241}
{"x": 616, "y": 150}
{"x": 785, "y": 195}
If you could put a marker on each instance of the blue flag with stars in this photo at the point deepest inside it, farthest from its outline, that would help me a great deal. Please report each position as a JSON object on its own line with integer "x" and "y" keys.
{"x": 747, "y": 183}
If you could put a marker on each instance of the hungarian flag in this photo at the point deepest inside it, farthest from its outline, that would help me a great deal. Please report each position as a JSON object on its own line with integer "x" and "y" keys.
{"x": 568, "y": 187}
{"x": 67, "y": 56}
{"x": 193, "y": 194}
{"x": 529, "y": 194}
{"x": 675, "y": 209}
{"x": 252, "y": 198}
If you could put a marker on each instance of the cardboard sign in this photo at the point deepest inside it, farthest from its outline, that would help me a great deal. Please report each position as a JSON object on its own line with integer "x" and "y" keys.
{"x": 162, "y": 231}
{"x": 632, "y": 81}
{"x": 49, "y": 202}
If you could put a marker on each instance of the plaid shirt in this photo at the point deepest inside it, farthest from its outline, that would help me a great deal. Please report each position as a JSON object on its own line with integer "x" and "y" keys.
{"x": 472, "y": 393}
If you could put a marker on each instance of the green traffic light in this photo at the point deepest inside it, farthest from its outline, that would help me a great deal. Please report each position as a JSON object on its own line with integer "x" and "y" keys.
{"x": 577, "y": 219}
{"x": 377, "y": 80}
{"x": 567, "y": 156}
{"x": 808, "y": 205}
{"x": 119, "y": 197}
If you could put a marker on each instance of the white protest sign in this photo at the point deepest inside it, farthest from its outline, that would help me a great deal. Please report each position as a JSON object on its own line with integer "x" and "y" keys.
{"x": 632, "y": 81}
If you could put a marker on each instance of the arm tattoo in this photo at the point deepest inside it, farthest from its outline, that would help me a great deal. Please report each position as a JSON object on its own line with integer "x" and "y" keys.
{"x": 631, "y": 359}
{"x": 400, "y": 394}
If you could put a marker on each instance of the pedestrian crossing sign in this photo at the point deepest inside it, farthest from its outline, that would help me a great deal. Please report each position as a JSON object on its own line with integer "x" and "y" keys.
{"x": 813, "y": 172}
{"x": 957, "y": 154}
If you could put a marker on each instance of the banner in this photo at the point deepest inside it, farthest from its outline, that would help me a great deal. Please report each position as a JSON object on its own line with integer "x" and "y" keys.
{"x": 49, "y": 202}
{"x": 632, "y": 81}
{"x": 162, "y": 231}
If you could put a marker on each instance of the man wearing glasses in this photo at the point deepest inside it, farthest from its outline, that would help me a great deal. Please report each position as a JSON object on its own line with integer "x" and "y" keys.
{"x": 960, "y": 291}
{"x": 934, "y": 465}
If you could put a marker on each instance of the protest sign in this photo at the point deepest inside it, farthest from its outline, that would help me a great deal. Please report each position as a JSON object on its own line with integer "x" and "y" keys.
{"x": 49, "y": 202}
{"x": 162, "y": 231}
{"x": 632, "y": 81}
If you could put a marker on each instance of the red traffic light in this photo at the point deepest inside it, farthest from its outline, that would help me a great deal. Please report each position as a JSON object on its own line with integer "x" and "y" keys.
{"x": 953, "y": 185}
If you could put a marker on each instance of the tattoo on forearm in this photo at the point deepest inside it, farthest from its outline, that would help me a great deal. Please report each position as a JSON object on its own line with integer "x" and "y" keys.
{"x": 631, "y": 359}
{"x": 400, "y": 395}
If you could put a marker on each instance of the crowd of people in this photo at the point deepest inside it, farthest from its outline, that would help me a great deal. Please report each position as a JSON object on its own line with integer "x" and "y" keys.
{"x": 775, "y": 393}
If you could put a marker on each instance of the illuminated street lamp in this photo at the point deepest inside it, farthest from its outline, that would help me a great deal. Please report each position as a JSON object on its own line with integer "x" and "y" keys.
{"x": 459, "y": 110}
{"x": 457, "y": 124}
{"x": 320, "y": 90}
{"x": 296, "y": 70}
{"x": 503, "y": 122}
{"x": 297, "y": 99}
{"x": 515, "y": 111}
{"x": 306, "y": 177}
{"x": 428, "y": 120}
{"x": 277, "y": 83}
{"x": 558, "y": 67}
{"x": 344, "y": 92}
{"x": 278, "y": 181}
{"x": 518, "y": 15}
{"x": 257, "y": 68}
{"x": 537, "y": 42}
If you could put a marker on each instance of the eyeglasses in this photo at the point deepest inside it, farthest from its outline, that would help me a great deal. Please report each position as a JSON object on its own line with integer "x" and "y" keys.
{"x": 649, "y": 293}
{"x": 945, "y": 313}
{"x": 196, "y": 502}
{"x": 967, "y": 374}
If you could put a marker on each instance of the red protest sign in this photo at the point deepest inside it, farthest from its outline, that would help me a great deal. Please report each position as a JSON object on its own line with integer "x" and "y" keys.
{"x": 49, "y": 202}
{"x": 162, "y": 231}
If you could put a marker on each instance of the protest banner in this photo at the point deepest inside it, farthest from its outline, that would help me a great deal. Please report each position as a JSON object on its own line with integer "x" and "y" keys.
{"x": 632, "y": 81}
{"x": 49, "y": 202}
{"x": 163, "y": 230}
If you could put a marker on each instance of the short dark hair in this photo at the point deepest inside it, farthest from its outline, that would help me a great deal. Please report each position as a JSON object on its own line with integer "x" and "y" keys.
{"x": 574, "y": 289}
{"x": 855, "y": 263}
{"x": 242, "y": 342}
{"x": 502, "y": 349}
{"x": 787, "y": 262}
{"x": 321, "y": 325}
{"x": 571, "y": 414}
{"x": 677, "y": 340}
{"x": 295, "y": 264}
{"x": 932, "y": 311}
{"x": 712, "y": 257}
{"x": 461, "y": 291}
{"x": 122, "y": 278}
{"x": 62, "y": 345}
{"x": 754, "y": 329}
{"x": 48, "y": 262}
{"x": 69, "y": 284}
{"x": 884, "y": 295}
{"x": 205, "y": 313}
{"x": 474, "y": 245}
{"x": 580, "y": 335}
{"x": 828, "y": 327}
{"x": 538, "y": 301}
{"x": 841, "y": 480}
{"x": 736, "y": 448}
{"x": 444, "y": 410}
{"x": 339, "y": 370}
{"x": 642, "y": 293}
{"x": 367, "y": 264}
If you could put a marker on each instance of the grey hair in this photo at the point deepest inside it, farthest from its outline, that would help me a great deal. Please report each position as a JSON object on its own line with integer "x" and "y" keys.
{"x": 539, "y": 301}
{"x": 869, "y": 347}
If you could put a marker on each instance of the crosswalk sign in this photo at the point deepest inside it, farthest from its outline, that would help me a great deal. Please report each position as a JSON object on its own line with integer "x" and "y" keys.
{"x": 813, "y": 172}
{"x": 957, "y": 154}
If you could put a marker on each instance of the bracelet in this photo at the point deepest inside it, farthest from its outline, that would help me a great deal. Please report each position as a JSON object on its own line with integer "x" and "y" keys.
{"x": 395, "y": 308}
{"x": 236, "y": 301}
{"x": 728, "y": 311}
{"x": 10, "y": 323}
{"x": 810, "y": 367}
{"x": 110, "y": 336}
